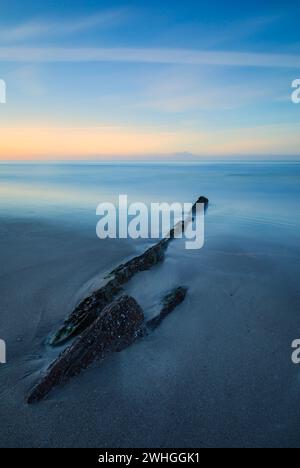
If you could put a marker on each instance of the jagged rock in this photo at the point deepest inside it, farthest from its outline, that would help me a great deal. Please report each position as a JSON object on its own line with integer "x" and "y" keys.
{"x": 118, "y": 325}
{"x": 181, "y": 225}
{"x": 203, "y": 200}
{"x": 108, "y": 324}
{"x": 90, "y": 308}
{"x": 170, "y": 301}
{"x": 86, "y": 312}
{"x": 145, "y": 261}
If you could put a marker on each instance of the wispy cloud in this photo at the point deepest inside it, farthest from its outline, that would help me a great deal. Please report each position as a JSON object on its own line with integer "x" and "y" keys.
{"x": 226, "y": 98}
{"x": 60, "y": 27}
{"x": 148, "y": 55}
{"x": 177, "y": 90}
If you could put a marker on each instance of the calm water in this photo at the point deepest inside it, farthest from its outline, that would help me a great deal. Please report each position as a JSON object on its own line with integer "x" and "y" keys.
{"x": 247, "y": 199}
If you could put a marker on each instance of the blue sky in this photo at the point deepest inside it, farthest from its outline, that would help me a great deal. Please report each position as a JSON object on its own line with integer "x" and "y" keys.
{"x": 98, "y": 78}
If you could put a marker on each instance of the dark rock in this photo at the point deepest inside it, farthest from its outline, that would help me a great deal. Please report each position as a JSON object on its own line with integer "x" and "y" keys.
{"x": 145, "y": 261}
{"x": 86, "y": 312}
{"x": 181, "y": 225}
{"x": 90, "y": 308}
{"x": 118, "y": 325}
{"x": 202, "y": 200}
{"x": 170, "y": 301}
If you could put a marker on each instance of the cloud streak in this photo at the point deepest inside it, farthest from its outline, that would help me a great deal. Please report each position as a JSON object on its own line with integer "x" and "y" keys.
{"x": 149, "y": 55}
{"x": 52, "y": 28}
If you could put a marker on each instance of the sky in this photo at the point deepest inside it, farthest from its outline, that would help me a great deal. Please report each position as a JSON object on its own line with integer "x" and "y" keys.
{"x": 149, "y": 79}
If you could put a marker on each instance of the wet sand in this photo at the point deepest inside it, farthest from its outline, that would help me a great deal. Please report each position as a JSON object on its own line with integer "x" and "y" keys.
{"x": 217, "y": 372}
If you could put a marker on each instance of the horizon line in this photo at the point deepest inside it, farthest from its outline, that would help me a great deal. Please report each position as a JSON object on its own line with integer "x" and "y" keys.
{"x": 275, "y": 159}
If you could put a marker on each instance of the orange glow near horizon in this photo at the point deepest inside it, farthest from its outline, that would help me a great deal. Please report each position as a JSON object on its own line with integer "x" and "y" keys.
{"x": 46, "y": 143}
{"x": 34, "y": 143}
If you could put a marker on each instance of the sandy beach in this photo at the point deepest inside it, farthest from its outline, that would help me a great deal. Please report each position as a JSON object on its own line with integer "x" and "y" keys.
{"x": 218, "y": 371}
